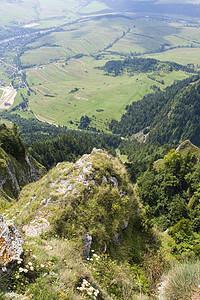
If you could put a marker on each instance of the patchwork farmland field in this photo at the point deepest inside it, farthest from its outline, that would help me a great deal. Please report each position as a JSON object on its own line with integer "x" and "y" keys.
{"x": 182, "y": 56}
{"x": 66, "y": 92}
{"x": 61, "y": 65}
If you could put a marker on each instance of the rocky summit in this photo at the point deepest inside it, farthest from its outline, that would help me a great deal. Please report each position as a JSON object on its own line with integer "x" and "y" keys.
{"x": 91, "y": 199}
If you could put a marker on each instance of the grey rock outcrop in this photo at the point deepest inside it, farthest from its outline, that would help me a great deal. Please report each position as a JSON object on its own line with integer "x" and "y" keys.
{"x": 87, "y": 239}
{"x": 10, "y": 244}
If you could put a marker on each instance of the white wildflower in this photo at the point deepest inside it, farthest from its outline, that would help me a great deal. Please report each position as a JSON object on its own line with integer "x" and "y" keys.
{"x": 85, "y": 281}
{"x": 21, "y": 270}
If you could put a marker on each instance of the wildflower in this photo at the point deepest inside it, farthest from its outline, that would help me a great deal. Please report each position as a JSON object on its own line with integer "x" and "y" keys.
{"x": 85, "y": 281}
{"x": 30, "y": 264}
{"x": 25, "y": 270}
{"x": 17, "y": 276}
{"x": 31, "y": 268}
{"x": 19, "y": 262}
{"x": 92, "y": 250}
{"x": 34, "y": 256}
{"x": 42, "y": 266}
{"x": 21, "y": 270}
{"x": 91, "y": 259}
{"x": 95, "y": 255}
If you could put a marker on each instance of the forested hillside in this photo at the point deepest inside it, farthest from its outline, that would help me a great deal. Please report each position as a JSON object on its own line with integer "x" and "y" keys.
{"x": 169, "y": 117}
{"x": 170, "y": 192}
{"x": 140, "y": 65}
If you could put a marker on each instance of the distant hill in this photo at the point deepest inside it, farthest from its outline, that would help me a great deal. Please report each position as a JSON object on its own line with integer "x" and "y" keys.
{"x": 165, "y": 117}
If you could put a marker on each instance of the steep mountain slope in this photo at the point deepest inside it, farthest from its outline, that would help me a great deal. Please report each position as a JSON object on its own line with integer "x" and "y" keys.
{"x": 92, "y": 198}
{"x": 166, "y": 117}
{"x": 170, "y": 189}
{"x": 17, "y": 167}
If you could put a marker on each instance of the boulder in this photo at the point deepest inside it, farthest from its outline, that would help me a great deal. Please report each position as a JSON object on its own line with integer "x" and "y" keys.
{"x": 10, "y": 244}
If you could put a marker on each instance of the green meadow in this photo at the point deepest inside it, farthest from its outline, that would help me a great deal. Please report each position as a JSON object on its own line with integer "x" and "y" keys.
{"x": 61, "y": 67}
{"x": 182, "y": 56}
{"x": 66, "y": 92}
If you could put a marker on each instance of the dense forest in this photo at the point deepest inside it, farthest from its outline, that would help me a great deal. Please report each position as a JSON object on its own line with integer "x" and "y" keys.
{"x": 168, "y": 116}
{"x": 70, "y": 146}
{"x": 170, "y": 191}
{"x": 140, "y": 65}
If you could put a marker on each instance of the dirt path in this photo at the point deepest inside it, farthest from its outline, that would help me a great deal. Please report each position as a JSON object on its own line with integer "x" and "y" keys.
{"x": 8, "y": 97}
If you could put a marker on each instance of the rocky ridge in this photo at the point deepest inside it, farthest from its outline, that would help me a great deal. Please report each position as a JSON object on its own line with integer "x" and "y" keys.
{"x": 90, "y": 199}
{"x": 14, "y": 174}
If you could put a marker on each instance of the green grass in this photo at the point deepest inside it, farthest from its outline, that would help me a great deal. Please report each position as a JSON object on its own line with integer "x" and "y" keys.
{"x": 96, "y": 91}
{"x": 182, "y": 56}
{"x": 182, "y": 282}
{"x": 88, "y": 39}
{"x": 98, "y": 94}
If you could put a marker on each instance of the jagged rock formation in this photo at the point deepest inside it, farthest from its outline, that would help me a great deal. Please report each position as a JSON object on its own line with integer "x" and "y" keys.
{"x": 187, "y": 146}
{"x": 14, "y": 174}
{"x": 10, "y": 244}
{"x": 90, "y": 198}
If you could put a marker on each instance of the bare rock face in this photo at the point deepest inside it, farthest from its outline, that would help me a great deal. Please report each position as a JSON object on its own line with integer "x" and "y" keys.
{"x": 10, "y": 244}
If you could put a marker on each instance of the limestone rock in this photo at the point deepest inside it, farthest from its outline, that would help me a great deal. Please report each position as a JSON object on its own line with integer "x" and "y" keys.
{"x": 87, "y": 239}
{"x": 10, "y": 243}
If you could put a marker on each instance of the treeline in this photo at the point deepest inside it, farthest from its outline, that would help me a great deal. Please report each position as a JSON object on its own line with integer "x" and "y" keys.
{"x": 10, "y": 141}
{"x": 32, "y": 129}
{"x": 140, "y": 155}
{"x": 141, "y": 65}
{"x": 170, "y": 192}
{"x": 70, "y": 146}
{"x": 169, "y": 116}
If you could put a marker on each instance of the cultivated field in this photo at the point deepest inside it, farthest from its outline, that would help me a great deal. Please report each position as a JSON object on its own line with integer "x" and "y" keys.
{"x": 61, "y": 67}
{"x": 182, "y": 56}
{"x": 66, "y": 92}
